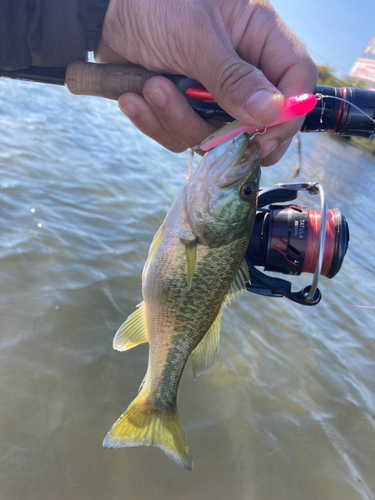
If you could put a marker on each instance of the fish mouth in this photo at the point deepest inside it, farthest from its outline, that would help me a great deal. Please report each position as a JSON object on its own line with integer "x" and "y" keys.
{"x": 244, "y": 159}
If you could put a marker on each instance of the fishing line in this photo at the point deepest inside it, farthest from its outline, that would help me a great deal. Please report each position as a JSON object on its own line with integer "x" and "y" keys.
{"x": 321, "y": 96}
{"x": 348, "y": 305}
{"x": 312, "y": 242}
{"x": 190, "y": 166}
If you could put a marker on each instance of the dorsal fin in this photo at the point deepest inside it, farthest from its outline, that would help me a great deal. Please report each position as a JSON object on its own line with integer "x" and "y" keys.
{"x": 204, "y": 355}
{"x": 239, "y": 282}
{"x": 133, "y": 331}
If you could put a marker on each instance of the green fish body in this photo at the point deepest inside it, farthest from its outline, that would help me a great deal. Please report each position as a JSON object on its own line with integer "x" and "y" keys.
{"x": 195, "y": 264}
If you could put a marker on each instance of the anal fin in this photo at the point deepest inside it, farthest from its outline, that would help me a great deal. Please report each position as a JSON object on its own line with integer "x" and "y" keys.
{"x": 132, "y": 332}
{"x": 143, "y": 383}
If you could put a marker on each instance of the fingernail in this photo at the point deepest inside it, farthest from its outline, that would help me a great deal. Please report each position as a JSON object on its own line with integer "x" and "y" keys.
{"x": 258, "y": 102}
{"x": 158, "y": 97}
{"x": 129, "y": 109}
{"x": 268, "y": 147}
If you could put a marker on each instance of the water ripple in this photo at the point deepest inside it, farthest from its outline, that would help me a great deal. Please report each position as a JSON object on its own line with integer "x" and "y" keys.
{"x": 288, "y": 409}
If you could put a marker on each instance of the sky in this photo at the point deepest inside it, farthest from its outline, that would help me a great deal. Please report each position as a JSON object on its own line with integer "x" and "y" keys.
{"x": 334, "y": 32}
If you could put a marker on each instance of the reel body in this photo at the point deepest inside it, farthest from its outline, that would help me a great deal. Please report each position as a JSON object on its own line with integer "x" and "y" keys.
{"x": 291, "y": 240}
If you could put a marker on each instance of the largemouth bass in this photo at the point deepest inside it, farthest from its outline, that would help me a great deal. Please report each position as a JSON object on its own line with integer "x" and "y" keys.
{"x": 195, "y": 264}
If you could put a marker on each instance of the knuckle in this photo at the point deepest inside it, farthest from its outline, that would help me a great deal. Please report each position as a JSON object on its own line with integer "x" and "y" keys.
{"x": 312, "y": 71}
{"x": 232, "y": 77}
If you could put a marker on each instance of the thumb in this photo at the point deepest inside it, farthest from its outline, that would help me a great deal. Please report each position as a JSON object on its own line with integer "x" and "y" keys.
{"x": 241, "y": 89}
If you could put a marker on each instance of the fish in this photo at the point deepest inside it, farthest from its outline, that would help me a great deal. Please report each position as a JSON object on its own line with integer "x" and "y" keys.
{"x": 195, "y": 266}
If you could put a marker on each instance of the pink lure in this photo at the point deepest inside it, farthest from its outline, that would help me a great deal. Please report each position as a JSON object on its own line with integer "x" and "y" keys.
{"x": 294, "y": 107}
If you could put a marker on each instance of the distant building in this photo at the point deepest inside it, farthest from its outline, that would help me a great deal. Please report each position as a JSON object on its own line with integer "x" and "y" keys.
{"x": 364, "y": 67}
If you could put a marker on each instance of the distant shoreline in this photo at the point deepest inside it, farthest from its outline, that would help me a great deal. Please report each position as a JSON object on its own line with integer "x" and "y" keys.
{"x": 364, "y": 144}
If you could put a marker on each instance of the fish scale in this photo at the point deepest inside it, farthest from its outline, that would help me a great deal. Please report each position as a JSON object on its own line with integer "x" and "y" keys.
{"x": 197, "y": 308}
{"x": 195, "y": 262}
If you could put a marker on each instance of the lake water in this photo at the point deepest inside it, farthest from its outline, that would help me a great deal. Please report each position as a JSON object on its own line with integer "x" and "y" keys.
{"x": 287, "y": 412}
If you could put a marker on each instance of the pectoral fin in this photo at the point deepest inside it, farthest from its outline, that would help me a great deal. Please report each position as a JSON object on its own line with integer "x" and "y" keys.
{"x": 204, "y": 355}
{"x": 133, "y": 331}
{"x": 155, "y": 242}
{"x": 191, "y": 259}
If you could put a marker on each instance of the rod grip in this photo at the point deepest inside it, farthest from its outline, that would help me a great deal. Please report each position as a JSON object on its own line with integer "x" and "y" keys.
{"x": 106, "y": 80}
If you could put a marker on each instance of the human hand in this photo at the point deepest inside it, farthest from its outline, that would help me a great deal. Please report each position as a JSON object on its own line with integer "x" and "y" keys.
{"x": 240, "y": 51}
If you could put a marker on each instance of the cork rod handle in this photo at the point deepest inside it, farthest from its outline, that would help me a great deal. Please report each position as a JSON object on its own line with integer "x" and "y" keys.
{"x": 106, "y": 80}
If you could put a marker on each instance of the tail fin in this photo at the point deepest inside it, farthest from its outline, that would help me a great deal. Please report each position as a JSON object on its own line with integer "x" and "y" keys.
{"x": 141, "y": 425}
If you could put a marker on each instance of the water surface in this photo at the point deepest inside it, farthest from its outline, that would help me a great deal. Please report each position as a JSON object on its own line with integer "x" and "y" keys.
{"x": 288, "y": 410}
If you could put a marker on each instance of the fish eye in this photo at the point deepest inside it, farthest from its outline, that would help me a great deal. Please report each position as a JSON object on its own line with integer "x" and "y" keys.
{"x": 246, "y": 191}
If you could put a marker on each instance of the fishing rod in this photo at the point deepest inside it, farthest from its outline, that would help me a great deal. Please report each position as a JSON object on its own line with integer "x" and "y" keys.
{"x": 287, "y": 238}
{"x": 342, "y": 111}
